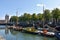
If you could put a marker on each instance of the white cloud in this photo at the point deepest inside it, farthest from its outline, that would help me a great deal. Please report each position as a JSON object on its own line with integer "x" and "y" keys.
{"x": 58, "y": 7}
{"x": 40, "y": 5}
{"x": 49, "y": 8}
{"x": 53, "y": 8}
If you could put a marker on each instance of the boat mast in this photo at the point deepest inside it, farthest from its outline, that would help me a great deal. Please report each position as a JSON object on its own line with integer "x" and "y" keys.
{"x": 43, "y": 16}
{"x": 17, "y": 18}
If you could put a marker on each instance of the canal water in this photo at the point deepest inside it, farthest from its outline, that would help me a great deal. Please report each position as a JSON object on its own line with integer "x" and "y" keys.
{"x": 17, "y": 35}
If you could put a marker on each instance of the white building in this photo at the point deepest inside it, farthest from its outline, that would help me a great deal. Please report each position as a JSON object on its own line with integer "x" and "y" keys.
{"x": 6, "y": 18}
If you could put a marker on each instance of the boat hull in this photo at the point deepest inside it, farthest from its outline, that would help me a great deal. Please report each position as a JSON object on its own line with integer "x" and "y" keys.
{"x": 57, "y": 35}
{"x": 47, "y": 35}
{"x": 30, "y": 32}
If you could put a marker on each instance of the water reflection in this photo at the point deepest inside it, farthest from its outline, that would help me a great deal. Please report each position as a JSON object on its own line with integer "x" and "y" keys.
{"x": 6, "y": 31}
{"x": 17, "y": 35}
{"x": 44, "y": 38}
{"x": 25, "y": 36}
{"x": 14, "y": 32}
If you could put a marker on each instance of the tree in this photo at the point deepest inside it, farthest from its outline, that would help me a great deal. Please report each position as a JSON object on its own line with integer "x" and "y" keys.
{"x": 29, "y": 17}
{"x": 56, "y": 14}
{"x": 21, "y": 18}
{"x": 40, "y": 16}
{"x": 25, "y": 17}
{"x": 34, "y": 17}
{"x": 47, "y": 15}
{"x": 13, "y": 19}
{"x": 59, "y": 19}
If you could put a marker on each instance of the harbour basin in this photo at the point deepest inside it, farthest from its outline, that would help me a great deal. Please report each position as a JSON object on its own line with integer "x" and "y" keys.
{"x": 17, "y": 35}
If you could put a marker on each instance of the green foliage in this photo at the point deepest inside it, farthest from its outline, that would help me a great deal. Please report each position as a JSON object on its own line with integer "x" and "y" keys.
{"x": 56, "y": 13}
{"x": 25, "y": 17}
{"x": 40, "y": 16}
{"x": 34, "y": 17}
{"x": 13, "y": 19}
{"x": 47, "y": 15}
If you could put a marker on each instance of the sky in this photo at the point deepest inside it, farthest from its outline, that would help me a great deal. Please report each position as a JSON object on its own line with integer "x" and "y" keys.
{"x": 10, "y": 7}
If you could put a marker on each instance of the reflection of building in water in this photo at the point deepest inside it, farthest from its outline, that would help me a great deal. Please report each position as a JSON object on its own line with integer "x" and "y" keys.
{"x": 6, "y": 31}
{"x": 6, "y": 19}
